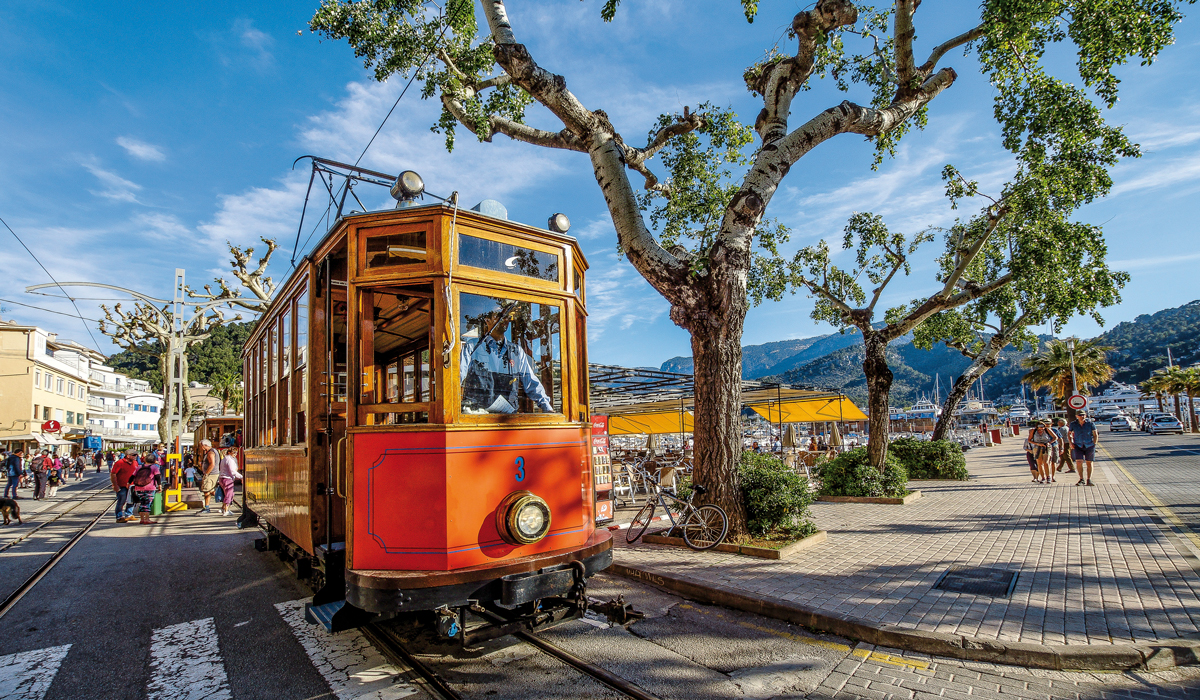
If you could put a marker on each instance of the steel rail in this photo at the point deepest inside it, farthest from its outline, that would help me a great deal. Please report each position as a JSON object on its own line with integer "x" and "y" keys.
{"x": 44, "y": 569}
{"x": 386, "y": 642}
{"x": 612, "y": 681}
{"x": 93, "y": 493}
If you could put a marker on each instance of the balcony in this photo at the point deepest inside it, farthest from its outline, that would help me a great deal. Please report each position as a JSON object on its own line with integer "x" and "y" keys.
{"x": 97, "y": 407}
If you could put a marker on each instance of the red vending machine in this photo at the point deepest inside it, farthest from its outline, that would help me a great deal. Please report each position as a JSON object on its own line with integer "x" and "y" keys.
{"x": 602, "y": 469}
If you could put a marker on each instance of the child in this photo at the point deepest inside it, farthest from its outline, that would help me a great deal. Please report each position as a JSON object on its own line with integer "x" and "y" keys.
{"x": 53, "y": 479}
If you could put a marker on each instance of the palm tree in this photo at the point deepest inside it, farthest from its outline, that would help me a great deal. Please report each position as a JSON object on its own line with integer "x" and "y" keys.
{"x": 1050, "y": 368}
{"x": 1191, "y": 387}
{"x": 1153, "y": 387}
{"x": 1175, "y": 380}
{"x": 227, "y": 388}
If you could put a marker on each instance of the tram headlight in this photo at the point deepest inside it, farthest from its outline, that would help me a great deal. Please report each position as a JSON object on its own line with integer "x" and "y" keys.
{"x": 522, "y": 518}
{"x": 409, "y": 185}
{"x": 559, "y": 223}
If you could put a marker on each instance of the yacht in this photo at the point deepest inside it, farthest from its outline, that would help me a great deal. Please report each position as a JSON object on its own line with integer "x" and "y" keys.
{"x": 924, "y": 410}
{"x": 1019, "y": 413}
{"x": 1121, "y": 398}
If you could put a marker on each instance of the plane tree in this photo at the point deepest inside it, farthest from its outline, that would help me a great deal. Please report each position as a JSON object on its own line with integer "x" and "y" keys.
{"x": 486, "y": 79}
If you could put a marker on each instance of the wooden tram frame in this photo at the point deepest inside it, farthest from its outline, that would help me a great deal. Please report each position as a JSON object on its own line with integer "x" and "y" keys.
{"x": 306, "y": 451}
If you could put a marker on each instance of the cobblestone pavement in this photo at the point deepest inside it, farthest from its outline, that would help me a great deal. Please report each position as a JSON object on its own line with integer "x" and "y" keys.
{"x": 1095, "y": 566}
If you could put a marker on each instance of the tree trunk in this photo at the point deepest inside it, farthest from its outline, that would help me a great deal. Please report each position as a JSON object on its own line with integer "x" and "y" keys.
{"x": 1192, "y": 412}
{"x": 717, "y": 358}
{"x": 1178, "y": 410}
{"x": 1160, "y": 403}
{"x": 879, "y": 387}
{"x": 984, "y": 362}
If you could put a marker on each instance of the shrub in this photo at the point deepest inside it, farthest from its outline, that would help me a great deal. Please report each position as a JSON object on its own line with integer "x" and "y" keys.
{"x": 851, "y": 474}
{"x": 775, "y": 497}
{"x": 939, "y": 459}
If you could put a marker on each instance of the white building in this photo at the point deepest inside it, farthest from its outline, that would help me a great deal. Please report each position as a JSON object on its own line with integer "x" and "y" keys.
{"x": 121, "y": 409}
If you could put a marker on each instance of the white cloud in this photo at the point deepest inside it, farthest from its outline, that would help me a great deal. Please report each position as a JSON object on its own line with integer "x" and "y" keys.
{"x": 259, "y": 212}
{"x": 1159, "y": 174}
{"x": 256, "y": 42}
{"x": 141, "y": 150}
{"x": 115, "y": 187}
{"x": 1149, "y": 262}
{"x": 160, "y": 226}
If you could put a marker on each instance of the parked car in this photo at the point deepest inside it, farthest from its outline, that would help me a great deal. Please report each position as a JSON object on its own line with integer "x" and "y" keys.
{"x": 1120, "y": 423}
{"x": 1147, "y": 418}
{"x": 1165, "y": 424}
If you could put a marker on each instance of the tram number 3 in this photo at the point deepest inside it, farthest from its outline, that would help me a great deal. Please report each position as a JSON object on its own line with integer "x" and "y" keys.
{"x": 520, "y": 476}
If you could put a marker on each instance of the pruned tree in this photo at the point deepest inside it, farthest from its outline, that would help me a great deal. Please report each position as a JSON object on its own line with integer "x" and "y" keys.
{"x": 148, "y": 330}
{"x": 486, "y": 81}
{"x": 253, "y": 280}
{"x": 1065, "y": 274}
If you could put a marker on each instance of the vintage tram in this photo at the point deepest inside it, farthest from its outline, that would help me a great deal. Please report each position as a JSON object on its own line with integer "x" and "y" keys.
{"x": 416, "y": 424}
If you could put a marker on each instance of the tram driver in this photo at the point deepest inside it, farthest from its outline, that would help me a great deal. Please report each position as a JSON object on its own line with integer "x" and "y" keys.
{"x": 492, "y": 366}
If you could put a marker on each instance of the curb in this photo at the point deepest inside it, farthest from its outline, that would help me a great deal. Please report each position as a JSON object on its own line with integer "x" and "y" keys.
{"x": 1148, "y": 656}
{"x": 625, "y": 526}
{"x": 872, "y": 499}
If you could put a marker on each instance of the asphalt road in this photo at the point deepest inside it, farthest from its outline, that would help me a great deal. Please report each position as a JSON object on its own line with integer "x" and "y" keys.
{"x": 1168, "y": 466}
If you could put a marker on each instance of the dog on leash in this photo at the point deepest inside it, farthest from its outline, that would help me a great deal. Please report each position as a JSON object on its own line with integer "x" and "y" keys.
{"x": 10, "y": 508}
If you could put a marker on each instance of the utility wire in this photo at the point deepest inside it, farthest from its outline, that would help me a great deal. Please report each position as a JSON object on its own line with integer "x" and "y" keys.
{"x": 78, "y": 313}
{"x": 436, "y": 45}
{"x": 49, "y": 311}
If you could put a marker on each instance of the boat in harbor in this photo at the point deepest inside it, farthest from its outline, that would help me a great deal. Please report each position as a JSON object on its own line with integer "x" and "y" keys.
{"x": 924, "y": 410}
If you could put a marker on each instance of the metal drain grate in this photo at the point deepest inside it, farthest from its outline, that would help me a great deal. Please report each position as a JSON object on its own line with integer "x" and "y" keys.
{"x": 997, "y": 583}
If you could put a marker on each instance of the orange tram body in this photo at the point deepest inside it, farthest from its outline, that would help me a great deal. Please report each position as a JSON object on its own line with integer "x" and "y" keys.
{"x": 417, "y": 430}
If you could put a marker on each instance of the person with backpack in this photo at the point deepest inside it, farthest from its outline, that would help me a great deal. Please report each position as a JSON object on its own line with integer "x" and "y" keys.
{"x": 121, "y": 474}
{"x": 144, "y": 484}
{"x": 111, "y": 459}
{"x": 39, "y": 466}
{"x": 13, "y": 466}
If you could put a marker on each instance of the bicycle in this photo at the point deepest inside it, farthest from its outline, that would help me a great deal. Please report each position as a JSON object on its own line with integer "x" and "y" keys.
{"x": 703, "y": 527}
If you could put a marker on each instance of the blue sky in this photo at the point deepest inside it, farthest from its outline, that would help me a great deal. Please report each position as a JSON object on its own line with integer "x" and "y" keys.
{"x": 136, "y": 138}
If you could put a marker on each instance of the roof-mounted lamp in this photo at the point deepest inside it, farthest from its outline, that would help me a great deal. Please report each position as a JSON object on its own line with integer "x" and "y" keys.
{"x": 408, "y": 189}
{"x": 559, "y": 223}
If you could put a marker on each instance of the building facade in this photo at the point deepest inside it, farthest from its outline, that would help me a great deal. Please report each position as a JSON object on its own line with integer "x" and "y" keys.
{"x": 42, "y": 379}
{"x": 122, "y": 410}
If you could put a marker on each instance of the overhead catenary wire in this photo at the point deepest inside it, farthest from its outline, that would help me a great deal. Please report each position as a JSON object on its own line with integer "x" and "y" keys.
{"x": 49, "y": 311}
{"x": 78, "y": 313}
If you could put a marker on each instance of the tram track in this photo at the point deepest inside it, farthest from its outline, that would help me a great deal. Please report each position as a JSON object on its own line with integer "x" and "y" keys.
{"x": 93, "y": 493}
{"x": 393, "y": 646}
{"x": 13, "y": 598}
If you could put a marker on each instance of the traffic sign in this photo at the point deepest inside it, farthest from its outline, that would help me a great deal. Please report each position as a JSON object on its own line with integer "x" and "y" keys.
{"x": 51, "y": 426}
{"x": 1077, "y": 402}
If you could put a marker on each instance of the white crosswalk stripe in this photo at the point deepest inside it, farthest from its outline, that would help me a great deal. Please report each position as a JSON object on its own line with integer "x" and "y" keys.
{"x": 185, "y": 663}
{"x": 28, "y": 675}
{"x": 350, "y": 665}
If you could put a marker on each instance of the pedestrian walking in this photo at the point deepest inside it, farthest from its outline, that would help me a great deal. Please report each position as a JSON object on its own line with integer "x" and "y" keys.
{"x": 110, "y": 458}
{"x": 121, "y": 474}
{"x": 39, "y": 466}
{"x": 1044, "y": 443}
{"x": 209, "y": 472}
{"x": 98, "y": 459}
{"x": 53, "y": 480}
{"x": 13, "y": 466}
{"x": 144, "y": 484}
{"x": 229, "y": 477}
{"x": 1064, "y": 455}
{"x": 1083, "y": 445}
{"x": 1033, "y": 465}
{"x": 78, "y": 468}
{"x": 189, "y": 475}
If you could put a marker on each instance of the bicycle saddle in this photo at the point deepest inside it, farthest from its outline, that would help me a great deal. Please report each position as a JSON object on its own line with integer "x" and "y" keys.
{"x": 699, "y": 489}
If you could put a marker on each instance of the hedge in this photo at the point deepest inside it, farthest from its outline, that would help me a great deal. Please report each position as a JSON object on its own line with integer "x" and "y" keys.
{"x": 851, "y": 474}
{"x": 923, "y": 459}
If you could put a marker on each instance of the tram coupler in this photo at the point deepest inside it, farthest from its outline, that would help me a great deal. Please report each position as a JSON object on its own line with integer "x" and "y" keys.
{"x": 617, "y": 611}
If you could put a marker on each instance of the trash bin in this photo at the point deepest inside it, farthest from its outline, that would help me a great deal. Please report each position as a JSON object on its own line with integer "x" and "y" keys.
{"x": 156, "y": 507}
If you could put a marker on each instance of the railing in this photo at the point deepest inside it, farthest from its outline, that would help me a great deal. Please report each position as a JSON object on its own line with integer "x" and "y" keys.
{"x": 94, "y": 407}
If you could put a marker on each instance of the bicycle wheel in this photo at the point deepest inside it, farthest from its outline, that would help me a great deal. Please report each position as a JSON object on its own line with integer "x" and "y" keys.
{"x": 640, "y": 523}
{"x": 705, "y": 527}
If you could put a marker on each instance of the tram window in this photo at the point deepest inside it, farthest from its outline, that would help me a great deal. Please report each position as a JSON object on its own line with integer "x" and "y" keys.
{"x": 395, "y": 248}
{"x": 426, "y": 381}
{"x": 505, "y": 257}
{"x": 339, "y": 346}
{"x": 300, "y": 379}
{"x": 509, "y": 360}
{"x": 285, "y": 344}
{"x": 578, "y": 286}
{"x": 581, "y": 377}
{"x": 399, "y": 334}
{"x": 302, "y": 330}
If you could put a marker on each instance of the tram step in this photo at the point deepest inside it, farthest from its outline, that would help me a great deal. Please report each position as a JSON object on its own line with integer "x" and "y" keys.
{"x": 338, "y": 616}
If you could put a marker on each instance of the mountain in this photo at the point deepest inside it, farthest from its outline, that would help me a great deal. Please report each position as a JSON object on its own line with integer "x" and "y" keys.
{"x": 780, "y": 356}
{"x": 1140, "y": 346}
{"x": 915, "y": 372}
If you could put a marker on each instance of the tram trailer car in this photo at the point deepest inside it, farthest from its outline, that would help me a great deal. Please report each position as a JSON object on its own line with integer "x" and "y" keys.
{"x": 417, "y": 430}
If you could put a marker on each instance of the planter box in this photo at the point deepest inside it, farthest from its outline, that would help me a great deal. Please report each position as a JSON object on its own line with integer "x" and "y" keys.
{"x": 868, "y": 499}
{"x": 762, "y": 552}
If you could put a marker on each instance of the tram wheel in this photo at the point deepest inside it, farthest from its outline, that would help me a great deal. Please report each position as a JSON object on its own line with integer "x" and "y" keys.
{"x": 705, "y": 528}
{"x": 640, "y": 523}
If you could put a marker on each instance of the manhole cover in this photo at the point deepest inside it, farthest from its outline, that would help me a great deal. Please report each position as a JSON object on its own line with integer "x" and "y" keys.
{"x": 976, "y": 580}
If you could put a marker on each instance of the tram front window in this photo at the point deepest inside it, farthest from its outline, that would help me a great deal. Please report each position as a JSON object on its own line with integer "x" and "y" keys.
{"x": 509, "y": 361}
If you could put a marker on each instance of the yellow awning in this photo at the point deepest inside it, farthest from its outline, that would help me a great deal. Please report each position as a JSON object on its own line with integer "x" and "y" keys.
{"x": 812, "y": 410}
{"x": 650, "y": 423}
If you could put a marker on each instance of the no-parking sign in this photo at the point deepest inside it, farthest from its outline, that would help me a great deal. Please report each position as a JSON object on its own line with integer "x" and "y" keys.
{"x": 1077, "y": 402}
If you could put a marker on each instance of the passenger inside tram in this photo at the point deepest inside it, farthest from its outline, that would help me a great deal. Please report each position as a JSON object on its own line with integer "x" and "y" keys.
{"x": 509, "y": 361}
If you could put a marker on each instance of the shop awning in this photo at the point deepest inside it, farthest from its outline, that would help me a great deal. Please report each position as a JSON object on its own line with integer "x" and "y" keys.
{"x": 814, "y": 410}
{"x": 27, "y": 437}
{"x": 650, "y": 423}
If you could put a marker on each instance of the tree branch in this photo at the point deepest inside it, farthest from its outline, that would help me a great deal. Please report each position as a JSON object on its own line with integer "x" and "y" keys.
{"x": 904, "y": 33}
{"x": 941, "y": 50}
{"x": 879, "y": 290}
{"x": 964, "y": 259}
{"x": 564, "y": 139}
